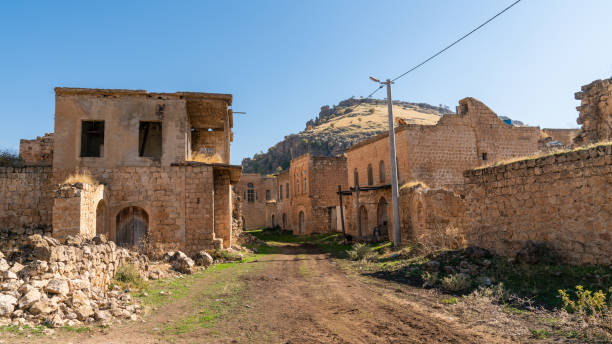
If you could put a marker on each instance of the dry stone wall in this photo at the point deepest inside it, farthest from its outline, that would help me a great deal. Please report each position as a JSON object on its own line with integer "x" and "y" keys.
{"x": 26, "y": 197}
{"x": 63, "y": 284}
{"x": 564, "y": 200}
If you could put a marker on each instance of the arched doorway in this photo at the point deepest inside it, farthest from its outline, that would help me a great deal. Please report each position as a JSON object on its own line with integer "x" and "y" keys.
{"x": 101, "y": 223}
{"x": 273, "y": 222}
{"x": 363, "y": 215}
{"x": 301, "y": 228}
{"x": 132, "y": 227}
{"x": 284, "y": 221}
{"x": 382, "y": 220}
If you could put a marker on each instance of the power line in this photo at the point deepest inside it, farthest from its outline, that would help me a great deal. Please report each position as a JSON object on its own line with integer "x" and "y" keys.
{"x": 452, "y": 44}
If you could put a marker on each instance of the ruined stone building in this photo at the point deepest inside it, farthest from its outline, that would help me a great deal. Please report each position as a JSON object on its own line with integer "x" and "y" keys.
{"x": 302, "y": 198}
{"x": 156, "y": 167}
{"x": 434, "y": 155}
{"x": 256, "y": 191}
{"x": 595, "y": 112}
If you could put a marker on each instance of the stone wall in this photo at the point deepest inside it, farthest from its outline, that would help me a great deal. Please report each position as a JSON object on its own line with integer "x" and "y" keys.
{"x": 433, "y": 217}
{"x": 438, "y": 154}
{"x": 595, "y": 112}
{"x": 179, "y": 201}
{"x": 564, "y": 200}
{"x": 26, "y": 197}
{"x": 74, "y": 210}
{"x": 38, "y": 151}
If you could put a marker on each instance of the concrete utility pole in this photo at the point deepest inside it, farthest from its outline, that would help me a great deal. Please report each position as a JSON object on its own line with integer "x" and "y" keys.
{"x": 394, "y": 183}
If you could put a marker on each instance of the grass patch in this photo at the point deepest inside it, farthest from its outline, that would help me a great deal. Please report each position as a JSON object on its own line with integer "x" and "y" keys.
{"x": 217, "y": 300}
{"x": 128, "y": 277}
{"x": 450, "y": 301}
{"x": 76, "y": 329}
{"x": 540, "y": 334}
{"x": 23, "y": 330}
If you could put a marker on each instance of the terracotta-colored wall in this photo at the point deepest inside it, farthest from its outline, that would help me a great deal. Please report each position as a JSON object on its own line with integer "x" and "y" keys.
{"x": 562, "y": 199}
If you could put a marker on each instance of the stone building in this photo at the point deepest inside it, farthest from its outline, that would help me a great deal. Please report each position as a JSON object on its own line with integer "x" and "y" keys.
{"x": 156, "y": 166}
{"x": 434, "y": 155}
{"x": 256, "y": 191}
{"x": 302, "y": 198}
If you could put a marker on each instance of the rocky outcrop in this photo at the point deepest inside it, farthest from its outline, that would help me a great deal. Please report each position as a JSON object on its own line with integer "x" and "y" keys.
{"x": 325, "y": 136}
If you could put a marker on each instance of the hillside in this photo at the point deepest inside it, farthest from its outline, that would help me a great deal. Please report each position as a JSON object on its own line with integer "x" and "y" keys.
{"x": 339, "y": 127}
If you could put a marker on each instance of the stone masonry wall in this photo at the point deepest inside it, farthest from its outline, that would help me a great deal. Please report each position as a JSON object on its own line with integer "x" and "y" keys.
{"x": 432, "y": 217}
{"x": 595, "y": 112}
{"x": 74, "y": 210}
{"x": 26, "y": 197}
{"x": 38, "y": 151}
{"x": 564, "y": 200}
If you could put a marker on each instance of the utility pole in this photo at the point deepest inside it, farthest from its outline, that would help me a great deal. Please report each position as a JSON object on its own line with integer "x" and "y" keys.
{"x": 393, "y": 157}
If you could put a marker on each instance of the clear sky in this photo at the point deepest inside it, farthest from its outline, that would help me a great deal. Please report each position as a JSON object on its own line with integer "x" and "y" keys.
{"x": 282, "y": 60}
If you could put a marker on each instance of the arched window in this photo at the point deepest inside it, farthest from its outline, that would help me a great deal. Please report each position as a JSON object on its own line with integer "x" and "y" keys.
{"x": 370, "y": 175}
{"x": 250, "y": 193}
{"x": 356, "y": 177}
{"x": 280, "y": 192}
{"x": 304, "y": 186}
{"x": 381, "y": 171}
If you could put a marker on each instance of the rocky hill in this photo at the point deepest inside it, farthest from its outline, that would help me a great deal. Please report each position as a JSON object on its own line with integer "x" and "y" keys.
{"x": 339, "y": 127}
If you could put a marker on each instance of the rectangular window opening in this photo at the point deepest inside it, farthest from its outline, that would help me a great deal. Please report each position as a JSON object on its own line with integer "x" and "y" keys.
{"x": 150, "y": 140}
{"x": 92, "y": 139}
{"x": 484, "y": 156}
{"x": 267, "y": 195}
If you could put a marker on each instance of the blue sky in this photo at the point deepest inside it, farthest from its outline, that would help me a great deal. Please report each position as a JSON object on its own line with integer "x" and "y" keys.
{"x": 283, "y": 60}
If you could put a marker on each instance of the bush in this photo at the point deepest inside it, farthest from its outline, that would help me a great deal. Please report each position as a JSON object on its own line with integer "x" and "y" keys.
{"x": 227, "y": 256}
{"x": 128, "y": 276}
{"x": 361, "y": 251}
{"x": 586, "y": 303}
{"x": 456, "y": 282}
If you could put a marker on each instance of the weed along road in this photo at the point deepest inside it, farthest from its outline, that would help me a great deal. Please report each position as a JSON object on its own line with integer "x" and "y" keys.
{"x": 293, "y": 293}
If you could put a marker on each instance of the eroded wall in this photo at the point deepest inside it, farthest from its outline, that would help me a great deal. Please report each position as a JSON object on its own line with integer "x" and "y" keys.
{"x": 254, "y": 208}
{"x": 26, "y": 197}
{"x": 595, "y": 112}
{"x": 38, "y": 151}
{"x": 438, "y": 154}
{"x": 564, "y": 200}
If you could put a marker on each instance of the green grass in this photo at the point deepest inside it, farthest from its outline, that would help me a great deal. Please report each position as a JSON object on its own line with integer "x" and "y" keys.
{"x": 23, "y": 330}
{"x": 219, "y": 299}
{"x": 450, "y": 301}
{"x": 540, "y": 334}
{"x": 326, "y": 242}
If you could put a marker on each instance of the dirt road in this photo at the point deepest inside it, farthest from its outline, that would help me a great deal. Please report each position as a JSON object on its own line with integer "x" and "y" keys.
{"x": 296, "y": 296}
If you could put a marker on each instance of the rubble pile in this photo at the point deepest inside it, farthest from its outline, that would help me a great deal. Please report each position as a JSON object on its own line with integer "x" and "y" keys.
{"x": 58, "y": 284}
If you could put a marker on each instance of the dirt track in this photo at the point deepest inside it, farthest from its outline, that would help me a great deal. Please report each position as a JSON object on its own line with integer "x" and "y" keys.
{"x": 298, "y": 296}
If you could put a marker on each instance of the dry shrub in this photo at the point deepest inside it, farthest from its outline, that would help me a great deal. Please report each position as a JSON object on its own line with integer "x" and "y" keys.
{"x": 9, "y": 158}
{"x": 450, "y": 237}
{"x": 206, "y": 158}
{"x": 80, "y": 177}
{"x": 413, "y": 183}
{"x": 361, "y": 251}
{"x": 456, "y": 282}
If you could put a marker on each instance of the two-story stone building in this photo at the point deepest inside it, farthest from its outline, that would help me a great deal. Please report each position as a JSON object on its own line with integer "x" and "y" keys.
{"x": 139, "y": 148}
